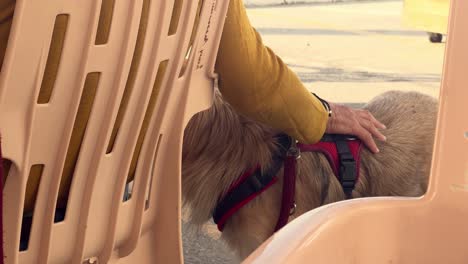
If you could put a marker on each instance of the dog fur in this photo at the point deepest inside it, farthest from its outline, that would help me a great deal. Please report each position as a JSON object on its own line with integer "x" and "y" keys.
{"x": 220, "y": 144}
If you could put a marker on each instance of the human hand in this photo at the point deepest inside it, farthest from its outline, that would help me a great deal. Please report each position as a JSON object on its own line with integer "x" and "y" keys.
{"x": 357, "y": 122}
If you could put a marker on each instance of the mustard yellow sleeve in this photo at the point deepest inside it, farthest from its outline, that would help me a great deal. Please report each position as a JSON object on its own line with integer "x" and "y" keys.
{"x": 258, "y": 84}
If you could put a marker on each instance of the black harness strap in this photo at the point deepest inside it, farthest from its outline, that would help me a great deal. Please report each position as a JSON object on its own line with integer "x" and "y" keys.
{"x": 347, "y": 171}
{"x": 255, "y": 183}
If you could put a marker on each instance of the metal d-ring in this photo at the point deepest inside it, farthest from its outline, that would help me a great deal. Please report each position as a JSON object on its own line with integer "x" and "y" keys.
{"x": 294, "y": 151}
{"x": 293, "y": 210}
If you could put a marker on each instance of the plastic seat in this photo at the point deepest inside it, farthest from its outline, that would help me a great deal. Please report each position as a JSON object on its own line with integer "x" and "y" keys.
{"x": 430, "y": 229}
{"x": 133, "y": 77}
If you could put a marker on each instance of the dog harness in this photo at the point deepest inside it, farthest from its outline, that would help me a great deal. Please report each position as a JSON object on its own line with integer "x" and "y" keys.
{"x": 341, "y": 151}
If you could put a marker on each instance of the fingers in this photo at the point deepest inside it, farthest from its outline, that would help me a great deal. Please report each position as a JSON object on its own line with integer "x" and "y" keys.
{"x": 360, "y": 123}
{"x": 371, "y": 128}
{"x": 366, "y": 138}
{"x": 376, "y": 122}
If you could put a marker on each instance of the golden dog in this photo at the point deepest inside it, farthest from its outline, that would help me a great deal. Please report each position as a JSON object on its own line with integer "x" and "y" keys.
{"x": 220, "y": 144}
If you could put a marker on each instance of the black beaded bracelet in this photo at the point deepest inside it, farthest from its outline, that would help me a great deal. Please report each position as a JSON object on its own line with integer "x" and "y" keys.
{"x": 325, "y": 104}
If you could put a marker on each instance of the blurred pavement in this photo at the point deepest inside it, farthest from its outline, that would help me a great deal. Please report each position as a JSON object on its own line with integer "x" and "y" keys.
{"x": 256, "y": 3}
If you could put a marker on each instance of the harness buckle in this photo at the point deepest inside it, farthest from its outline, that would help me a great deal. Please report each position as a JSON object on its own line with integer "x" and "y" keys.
{"x": 293, "y": 150}
{"x": 348, "y": 170}
{"x": 348, "y": 176}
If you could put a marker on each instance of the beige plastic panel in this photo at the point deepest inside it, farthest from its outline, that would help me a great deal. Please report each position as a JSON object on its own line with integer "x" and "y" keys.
{"x": 98, "y": 223}
{"x": 431, "y": 229}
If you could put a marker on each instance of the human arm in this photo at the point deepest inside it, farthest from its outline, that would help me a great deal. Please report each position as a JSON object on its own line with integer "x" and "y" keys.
{"x": 260, "y": 85}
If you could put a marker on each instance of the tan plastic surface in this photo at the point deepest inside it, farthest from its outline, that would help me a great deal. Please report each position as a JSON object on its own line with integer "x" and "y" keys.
{"x": 431, "y": 229}
{"x": 98, "y": 224}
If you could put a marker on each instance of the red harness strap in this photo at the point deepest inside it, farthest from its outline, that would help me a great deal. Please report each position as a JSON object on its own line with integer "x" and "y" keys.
{"x": 329, "y": 149}
{"x": 343, "y": 154}
{"x": 251, "y": 184}
{"x": 221, "y": 219}
{"x": 289, "y": 190}
{"x": 332, "y": 152}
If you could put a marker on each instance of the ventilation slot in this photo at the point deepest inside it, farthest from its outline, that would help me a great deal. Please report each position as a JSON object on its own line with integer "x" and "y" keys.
{"x": 79, "y": 129}
{"x": 148, "y": 116}
{"x": 32, "y": 188}
{"x": 53, "y": 61}
{"x": 192, "y": 38}
{"x": 176, "y": 11}
{"x": 149, "y": 188}
{"x": 6, "y": 18}
{"x": 132, "y": 75}
{"x": 105, "y": 21}
{"x": 6, "y": 166}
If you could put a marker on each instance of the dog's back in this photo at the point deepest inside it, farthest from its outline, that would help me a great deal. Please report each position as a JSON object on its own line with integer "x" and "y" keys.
{"x": 405, "y": 158}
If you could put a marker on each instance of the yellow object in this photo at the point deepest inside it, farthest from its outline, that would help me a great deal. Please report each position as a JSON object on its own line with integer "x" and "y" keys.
{"x": 427, "y": 15}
